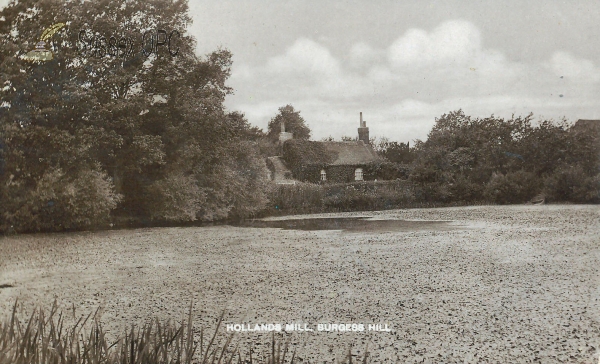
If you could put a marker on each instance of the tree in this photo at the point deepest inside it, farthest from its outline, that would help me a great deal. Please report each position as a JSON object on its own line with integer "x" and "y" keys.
{"x": 147, "y": 128}
{"x": 395, "y": 152}
{"x": 505, "y": 161}
{"x": 294, "y": 123}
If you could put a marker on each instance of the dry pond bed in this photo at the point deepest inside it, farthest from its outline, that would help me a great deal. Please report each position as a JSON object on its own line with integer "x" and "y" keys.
{"x": 497, "y": 284}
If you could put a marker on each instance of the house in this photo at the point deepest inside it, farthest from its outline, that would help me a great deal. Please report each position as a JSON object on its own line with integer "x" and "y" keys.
{"x": 351, "y": 162}
{"x": 326, "y": 161}
{"x": 591, "y": 127}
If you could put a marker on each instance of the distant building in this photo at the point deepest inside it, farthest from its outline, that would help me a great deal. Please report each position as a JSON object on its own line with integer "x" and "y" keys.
{"x": 349, "y": 163}
{"x": 587, "y": 126}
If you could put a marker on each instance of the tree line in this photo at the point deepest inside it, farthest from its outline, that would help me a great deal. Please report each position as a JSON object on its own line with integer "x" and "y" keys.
{"x": 464, "y": 160}
{"x": 86, "y": 140}
{"x": 498, "y": 160}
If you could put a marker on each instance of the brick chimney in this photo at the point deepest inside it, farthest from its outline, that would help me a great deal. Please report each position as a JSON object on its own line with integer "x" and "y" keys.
{"x": 363, "y": 131}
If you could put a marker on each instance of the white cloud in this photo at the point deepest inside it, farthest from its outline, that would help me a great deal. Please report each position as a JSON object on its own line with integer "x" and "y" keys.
{"x": 453, "y": 42}
{"x": 363, "y": 55}
{"x": 566, "y": 65}
{"x": 403, "y": 87}
{"x": 305, "y": 57}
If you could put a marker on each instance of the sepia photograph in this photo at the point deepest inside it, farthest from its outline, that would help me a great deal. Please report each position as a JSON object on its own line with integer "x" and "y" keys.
{"x": 299, "y": 181}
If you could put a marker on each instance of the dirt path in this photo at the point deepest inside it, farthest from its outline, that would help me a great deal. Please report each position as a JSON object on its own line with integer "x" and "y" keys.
{"x": 505, "y": 285}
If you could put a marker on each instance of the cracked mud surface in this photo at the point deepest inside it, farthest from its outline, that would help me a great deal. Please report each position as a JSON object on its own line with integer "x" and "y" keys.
{"x": 506, "y": 284}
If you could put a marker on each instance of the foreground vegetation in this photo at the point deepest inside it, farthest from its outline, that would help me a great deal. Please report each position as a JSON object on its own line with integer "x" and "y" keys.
{"x": 45, "y": 338}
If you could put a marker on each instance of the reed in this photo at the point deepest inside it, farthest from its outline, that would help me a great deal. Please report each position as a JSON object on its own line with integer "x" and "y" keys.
{"x": 46, "y": 338}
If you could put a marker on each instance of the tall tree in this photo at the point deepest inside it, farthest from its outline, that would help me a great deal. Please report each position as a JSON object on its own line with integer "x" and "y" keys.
{"x": 395, "y": 152}
{"x": 294, "y": 123}
{"x": 114, "y": 102}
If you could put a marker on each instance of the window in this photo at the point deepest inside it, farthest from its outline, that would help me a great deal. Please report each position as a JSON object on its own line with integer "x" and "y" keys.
{"x": 323, "y": 175}
{"x": 358, "y": 174}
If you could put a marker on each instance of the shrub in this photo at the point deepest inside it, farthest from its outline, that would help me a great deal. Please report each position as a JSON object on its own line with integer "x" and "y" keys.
{"x": 298, "y": 198}
{"x": 385, "y": 170}
{"x": 60, "y": 201}
{"x": 238, "y": 187}
{"x": 366, "y": 195}
{"x": 514, "y": 187}
{"x": 571, "y": 183}
{"x": 369, "y": 195}
{"x": 464, "y": 190}
{"x": 175, "y": 198}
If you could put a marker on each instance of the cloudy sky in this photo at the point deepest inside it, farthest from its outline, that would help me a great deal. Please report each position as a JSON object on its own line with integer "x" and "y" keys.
{"x": 404, "y": 63}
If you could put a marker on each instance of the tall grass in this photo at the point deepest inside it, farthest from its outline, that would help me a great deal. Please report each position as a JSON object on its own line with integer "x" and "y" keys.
{"x": 45, "y": 338}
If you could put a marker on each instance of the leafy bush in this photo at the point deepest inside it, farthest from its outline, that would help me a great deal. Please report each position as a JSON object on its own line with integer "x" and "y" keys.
{"x": 176, "y": 198}
{"x": 571, "y": 183}
{"x": 467, "y": 159}
{"x": 514, "y": 187}
{"x": 298, "y": 198}
{"x": 60, "y": 201}
{"x": 368, "y": 196}
{"x": 313, "y": 198}
{"x": 385, "y": 170}
{"x": 463, "y": 189}
{"x": 237, "y": 188}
